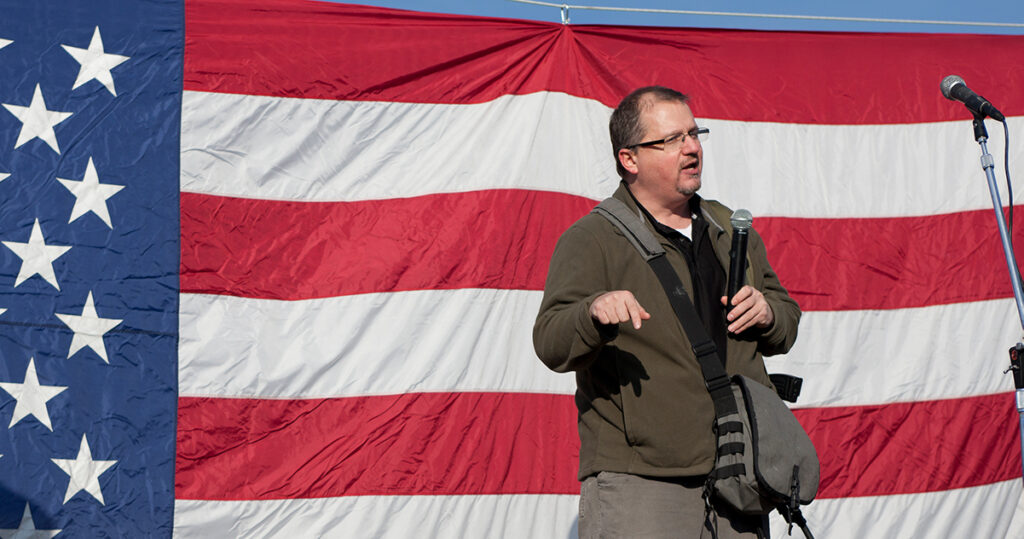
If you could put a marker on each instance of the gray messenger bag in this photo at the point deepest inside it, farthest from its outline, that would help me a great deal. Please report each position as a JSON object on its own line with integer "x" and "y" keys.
{"x": 765, "y": 459}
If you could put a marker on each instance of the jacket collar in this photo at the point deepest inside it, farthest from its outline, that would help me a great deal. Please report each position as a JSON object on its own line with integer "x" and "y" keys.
{"x": 697, "y": 205}
{"x": 720, "y": 235}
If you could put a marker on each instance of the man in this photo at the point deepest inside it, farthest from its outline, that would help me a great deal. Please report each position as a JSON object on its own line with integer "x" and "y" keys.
{"x": 645, "y": 417}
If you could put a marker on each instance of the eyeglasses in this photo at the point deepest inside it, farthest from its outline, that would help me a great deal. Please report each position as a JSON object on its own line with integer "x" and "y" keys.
{"x": 673, "y": 142}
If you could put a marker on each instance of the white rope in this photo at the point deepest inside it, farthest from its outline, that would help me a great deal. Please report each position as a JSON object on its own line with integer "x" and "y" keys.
{"x": 566, "y": 7}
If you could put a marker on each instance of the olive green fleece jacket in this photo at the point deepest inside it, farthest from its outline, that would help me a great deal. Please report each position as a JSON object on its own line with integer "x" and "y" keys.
{"x": 643, "y": 408}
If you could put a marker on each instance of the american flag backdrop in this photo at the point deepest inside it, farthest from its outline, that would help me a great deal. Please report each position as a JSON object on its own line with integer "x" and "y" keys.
{"x": 269, "y": 268}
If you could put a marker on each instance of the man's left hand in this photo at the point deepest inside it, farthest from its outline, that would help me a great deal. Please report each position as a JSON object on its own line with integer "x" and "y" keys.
{"x": 750, "y": 309}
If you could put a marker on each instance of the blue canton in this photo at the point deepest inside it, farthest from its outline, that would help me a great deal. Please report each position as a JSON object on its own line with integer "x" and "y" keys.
{"x": 90, "y": 100}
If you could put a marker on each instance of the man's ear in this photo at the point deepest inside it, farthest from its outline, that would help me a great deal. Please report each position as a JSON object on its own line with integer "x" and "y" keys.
{"x": 628, "y": 160}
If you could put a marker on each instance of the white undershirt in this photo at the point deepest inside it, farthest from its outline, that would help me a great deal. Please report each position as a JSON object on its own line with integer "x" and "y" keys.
{"x": 689, "y": 228}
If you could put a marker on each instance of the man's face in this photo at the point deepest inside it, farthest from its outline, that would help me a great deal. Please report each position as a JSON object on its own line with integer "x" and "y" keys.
{"x": 671, "y": 174}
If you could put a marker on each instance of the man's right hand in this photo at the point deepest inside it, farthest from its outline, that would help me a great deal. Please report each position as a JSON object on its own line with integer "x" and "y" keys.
{"x": 616, "y": 307}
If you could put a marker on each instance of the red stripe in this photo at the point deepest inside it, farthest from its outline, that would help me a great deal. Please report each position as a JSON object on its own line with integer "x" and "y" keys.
{"x": 504, "y": 239}
{"x": 509, "y": 443}
{"x": 889, "y": 263}
{"x": 912, "y": 447}
{"x": 299, "y": 250}
{"x": 367, "y": 53}
{"x": 425, "y": 443}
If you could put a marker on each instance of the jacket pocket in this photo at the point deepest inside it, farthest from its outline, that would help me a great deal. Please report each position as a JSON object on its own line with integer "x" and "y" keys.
{"x": 631, "y": 376}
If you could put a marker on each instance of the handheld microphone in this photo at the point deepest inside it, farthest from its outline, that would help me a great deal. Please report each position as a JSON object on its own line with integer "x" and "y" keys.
{"x": 954, "y": 89}
{"x": 741, "y": 221}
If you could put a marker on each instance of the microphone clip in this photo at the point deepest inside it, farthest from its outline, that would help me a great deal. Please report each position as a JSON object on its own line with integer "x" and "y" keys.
{"x": 980, "y": 132}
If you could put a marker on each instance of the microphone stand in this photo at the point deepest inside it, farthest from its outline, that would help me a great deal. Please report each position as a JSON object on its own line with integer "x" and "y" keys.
{"x": 1017, "y": 352}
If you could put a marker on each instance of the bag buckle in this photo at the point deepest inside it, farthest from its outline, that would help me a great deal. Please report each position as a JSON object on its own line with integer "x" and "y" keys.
{"x": 704, "y": 348}
{"x": 717, "y": 383}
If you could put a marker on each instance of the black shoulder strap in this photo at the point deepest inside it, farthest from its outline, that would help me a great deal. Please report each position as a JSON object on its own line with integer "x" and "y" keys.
{"x": 632, "y": 225}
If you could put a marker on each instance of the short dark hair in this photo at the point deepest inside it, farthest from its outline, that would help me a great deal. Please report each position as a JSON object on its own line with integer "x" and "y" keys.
{"x": 625, "y": 126}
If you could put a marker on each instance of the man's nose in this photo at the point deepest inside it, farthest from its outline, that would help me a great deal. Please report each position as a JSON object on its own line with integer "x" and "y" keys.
{"x": 691, "y": 144}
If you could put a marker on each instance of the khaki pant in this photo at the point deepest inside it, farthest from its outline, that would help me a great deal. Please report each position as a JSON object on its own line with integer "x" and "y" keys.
{"x": 614, "y": 505}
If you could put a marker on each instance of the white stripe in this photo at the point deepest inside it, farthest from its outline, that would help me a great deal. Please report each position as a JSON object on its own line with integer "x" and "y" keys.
{"x": 856, "y": 171}
{"x": 367, "y": 344}
{"x": 481, "y": 340}
{"x": 248, "y": 146}
{"x": 977, "y": 512}
{"x": 902, "y": 355}
{"x": 1017, "y": 524}
{"x": 399, "y": 517}
{"x": 984, "y": 511}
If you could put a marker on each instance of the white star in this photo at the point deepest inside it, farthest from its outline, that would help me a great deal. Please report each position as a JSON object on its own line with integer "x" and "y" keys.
{"x": 27, "y": 529}
{"x": 4, "y": 42}
{"x": 31, "y": 397}
{"x": 36, "y": 256}
{"x": 90, "y": 194}
{"x": 95, "y": 64}
{"x": 36, "y": 121}
{"x": 4, "y": 176}
{"x": 89, "y": 329}
{"x": 84, "y": 472}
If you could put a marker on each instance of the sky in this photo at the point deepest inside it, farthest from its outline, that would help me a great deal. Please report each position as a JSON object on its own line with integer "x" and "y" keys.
{"x": 996, "y": 11}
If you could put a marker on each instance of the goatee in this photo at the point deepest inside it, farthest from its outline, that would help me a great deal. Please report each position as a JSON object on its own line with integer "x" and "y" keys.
{"x": 688, "y": 191}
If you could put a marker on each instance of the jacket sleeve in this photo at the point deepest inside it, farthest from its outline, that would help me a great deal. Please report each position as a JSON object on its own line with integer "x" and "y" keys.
{"x": 779, "y": 338}
{"x": 565, "y": 337}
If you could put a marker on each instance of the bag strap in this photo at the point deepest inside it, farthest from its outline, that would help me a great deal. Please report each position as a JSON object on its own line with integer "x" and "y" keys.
{"x": 632, "y": 225}
{"x": 715, "y": 378}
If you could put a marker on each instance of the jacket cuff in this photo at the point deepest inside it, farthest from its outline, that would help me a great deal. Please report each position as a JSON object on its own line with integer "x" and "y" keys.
{"x": 776, "y": 333}
{"x": 592, "y": 332}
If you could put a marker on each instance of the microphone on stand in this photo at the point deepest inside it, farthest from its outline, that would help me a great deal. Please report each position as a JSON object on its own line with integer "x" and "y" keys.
{"x": 741, "y": 221}
{"x": 955, "y": 89}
